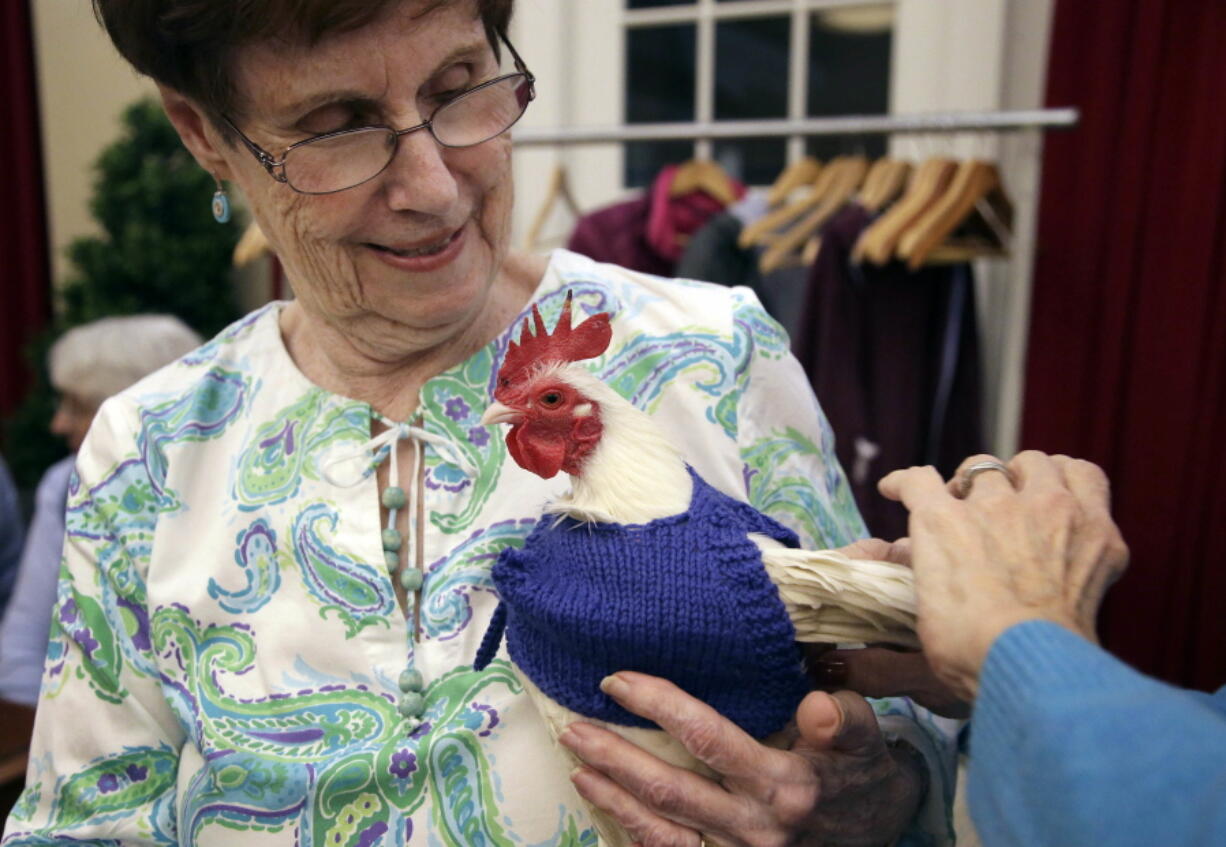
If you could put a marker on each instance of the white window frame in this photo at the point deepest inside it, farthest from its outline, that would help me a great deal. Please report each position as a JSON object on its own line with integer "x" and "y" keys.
{"x": 706, "y": 14}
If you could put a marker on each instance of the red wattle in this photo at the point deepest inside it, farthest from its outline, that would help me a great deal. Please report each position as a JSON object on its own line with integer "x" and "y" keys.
{"x": 541, "y": 452}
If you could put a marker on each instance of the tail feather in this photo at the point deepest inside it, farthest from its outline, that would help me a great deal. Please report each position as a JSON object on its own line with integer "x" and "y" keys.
{"x": 833, "y": 598}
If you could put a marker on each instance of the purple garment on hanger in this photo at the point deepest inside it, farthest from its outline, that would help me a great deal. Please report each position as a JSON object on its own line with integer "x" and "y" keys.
{"x": 618, "y": 234}
{"x": 893, "y": 356}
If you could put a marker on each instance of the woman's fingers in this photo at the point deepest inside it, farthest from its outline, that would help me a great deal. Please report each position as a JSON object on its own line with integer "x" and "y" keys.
{"x": 657, "y": 788}
{"x": 898, "y": 552}
{"x": 1033, "y": 471}
{"x": 968, "y": 480}
{"x": 842, "y": 721}
{"x": 662, "y": 788}
{"x": 643, "y": 825}
{"x": 1087, "y": 482}
{"x": 914, "y": 487}
{"x": 710, "y": 737}
{"x": 1100, "y": 535}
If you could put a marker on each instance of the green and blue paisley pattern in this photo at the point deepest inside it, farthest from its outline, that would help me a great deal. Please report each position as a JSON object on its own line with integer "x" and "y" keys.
{"x": 256, "y": 556}
{"x": 227, "y": 644}
{"x": 356, "y": 589}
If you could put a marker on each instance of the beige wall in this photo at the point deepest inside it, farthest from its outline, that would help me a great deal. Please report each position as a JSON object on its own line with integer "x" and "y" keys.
{"x": 83, "y": 86}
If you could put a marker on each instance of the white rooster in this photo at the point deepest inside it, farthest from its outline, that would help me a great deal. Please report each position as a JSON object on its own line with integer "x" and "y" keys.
{"x": 601, "y": 584}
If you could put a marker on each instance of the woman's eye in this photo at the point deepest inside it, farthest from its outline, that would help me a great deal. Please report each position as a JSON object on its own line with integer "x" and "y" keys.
{"x": 332, "y": 120}
{"x": 445, "y": 96}
{"x": 451, "y": 83}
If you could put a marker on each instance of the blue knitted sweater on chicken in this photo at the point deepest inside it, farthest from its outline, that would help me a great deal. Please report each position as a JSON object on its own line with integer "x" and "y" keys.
{"x": 685, "y": 598}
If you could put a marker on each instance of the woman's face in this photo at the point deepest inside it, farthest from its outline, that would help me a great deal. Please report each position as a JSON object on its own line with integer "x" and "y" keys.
{"x": 73, "y": 415}
{"x": 413, "y": 253}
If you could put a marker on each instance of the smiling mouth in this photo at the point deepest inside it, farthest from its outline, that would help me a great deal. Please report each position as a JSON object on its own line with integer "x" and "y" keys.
{"x": 427, "y": 250}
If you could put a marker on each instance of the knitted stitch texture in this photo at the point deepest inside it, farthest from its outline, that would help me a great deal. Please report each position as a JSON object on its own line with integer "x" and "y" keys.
{"x": 684, "y": 597}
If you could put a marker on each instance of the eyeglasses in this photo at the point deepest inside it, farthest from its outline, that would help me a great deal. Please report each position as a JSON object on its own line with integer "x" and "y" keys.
{"x": 336, "y": 161}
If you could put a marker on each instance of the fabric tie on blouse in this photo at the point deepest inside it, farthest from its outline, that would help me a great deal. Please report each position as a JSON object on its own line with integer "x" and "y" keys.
{"x": 381, "y": 446}
{"x": 361, "y": 465}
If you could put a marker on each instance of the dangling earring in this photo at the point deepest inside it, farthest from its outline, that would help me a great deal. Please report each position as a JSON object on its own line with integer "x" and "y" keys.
{"x": 221, "y": 203}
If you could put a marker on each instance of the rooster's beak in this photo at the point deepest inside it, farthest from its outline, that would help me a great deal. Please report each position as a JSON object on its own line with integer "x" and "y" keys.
{"x": 498, "y": 413}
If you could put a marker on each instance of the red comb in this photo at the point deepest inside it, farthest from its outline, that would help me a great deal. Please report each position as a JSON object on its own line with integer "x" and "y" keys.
{"x": 566, "y": 344}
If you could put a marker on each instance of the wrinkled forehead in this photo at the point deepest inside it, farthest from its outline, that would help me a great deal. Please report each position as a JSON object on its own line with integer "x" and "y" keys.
{"x": 405, "y": 44}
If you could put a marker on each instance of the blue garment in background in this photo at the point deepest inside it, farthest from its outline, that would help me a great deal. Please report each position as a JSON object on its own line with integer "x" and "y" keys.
{"x": 1070, "y": 746}
{"x": 12, "y": 531}
{"x": 27, "y": 622}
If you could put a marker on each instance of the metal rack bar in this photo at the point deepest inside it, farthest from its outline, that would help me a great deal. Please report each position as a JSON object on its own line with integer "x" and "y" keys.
{"x": 846, "y": 125}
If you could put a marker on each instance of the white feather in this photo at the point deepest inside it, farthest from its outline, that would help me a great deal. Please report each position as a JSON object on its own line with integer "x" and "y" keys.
{"x": 835, "y": 599}
{"x": 635, "y": 474}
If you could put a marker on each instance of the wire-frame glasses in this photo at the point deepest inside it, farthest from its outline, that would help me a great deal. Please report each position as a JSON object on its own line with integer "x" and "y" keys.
{"x": 336, "y": 161}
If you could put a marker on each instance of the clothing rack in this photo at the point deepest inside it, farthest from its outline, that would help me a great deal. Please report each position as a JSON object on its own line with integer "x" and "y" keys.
{"x": 847, "y": 125}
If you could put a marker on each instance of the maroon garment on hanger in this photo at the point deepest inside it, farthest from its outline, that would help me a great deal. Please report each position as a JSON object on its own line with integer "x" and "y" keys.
{"x": 647, "y": 233}
{"x": 893, "y": 356}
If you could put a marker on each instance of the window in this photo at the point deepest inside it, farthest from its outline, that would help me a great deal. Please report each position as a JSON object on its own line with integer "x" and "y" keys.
{"x": 728, "y": 60}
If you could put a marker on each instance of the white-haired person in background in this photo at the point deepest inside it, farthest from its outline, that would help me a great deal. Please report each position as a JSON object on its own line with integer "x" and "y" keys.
{"x": 87, "y": 364}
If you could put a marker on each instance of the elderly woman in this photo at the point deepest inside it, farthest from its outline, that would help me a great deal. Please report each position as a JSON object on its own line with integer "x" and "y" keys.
{"x": 87, "y": 364}
{"x": 265, "y": 632}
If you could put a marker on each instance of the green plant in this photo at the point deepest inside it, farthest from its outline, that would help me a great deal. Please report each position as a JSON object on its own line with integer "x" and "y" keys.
{"x": 159, "y": 251}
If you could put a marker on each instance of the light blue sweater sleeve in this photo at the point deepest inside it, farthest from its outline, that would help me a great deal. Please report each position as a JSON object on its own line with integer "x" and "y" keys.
{"x": 1071, "y": 746}
{"x": 27, "y": 622}
{"x": 12, "y": 531}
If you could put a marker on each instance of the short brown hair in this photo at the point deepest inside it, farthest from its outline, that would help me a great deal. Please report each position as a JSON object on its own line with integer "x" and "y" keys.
{"x": 189, "y": 45}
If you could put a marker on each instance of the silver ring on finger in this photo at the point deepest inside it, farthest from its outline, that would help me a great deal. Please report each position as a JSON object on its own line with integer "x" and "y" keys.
{"x": 969, "y": 474}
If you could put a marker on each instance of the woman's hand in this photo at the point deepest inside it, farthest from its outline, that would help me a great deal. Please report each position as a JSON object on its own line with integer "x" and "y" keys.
{"x": 1041, "y": 547}
{"x": 838, "y": 784}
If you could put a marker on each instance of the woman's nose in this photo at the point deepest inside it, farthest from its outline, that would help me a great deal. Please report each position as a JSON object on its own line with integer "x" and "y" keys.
{"x": 419, "y": 178}
{"x": 61, "y": 422}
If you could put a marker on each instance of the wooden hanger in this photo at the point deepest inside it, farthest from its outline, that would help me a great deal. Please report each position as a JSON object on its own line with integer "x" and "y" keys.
{"x": 872, "y": 180}
{"x": 558, "y": 189}
{"x": 877, "y": 243}
{"x": 801, "y": 172}
{"x": 848, "y": 177}
{"x": 885, "y": 181}
{"x": 808, "y": 254}
{"x": 763, "y": 230}
{"x": 251, "y": 245}
{"x": 971, "y": 185}
{"x": 703, "y": 175}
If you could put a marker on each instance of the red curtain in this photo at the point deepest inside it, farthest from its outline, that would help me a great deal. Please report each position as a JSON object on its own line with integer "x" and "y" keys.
{"x": 23, "y": 230}
{"x": 1127, "y": 361}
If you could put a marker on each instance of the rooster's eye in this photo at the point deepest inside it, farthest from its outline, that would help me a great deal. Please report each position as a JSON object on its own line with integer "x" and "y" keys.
{"x": 551, "y": 399}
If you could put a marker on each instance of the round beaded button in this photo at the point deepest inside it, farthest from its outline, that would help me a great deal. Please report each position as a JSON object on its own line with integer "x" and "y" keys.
{"x": 391, "y": 539}
{"x": 411, "y": 704}
{"x": 411, "y": 680}
{"x": 410, "y": 579}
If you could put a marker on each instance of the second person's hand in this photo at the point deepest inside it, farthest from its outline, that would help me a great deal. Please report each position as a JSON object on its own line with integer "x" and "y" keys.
{"x": 1039, "y": 546}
